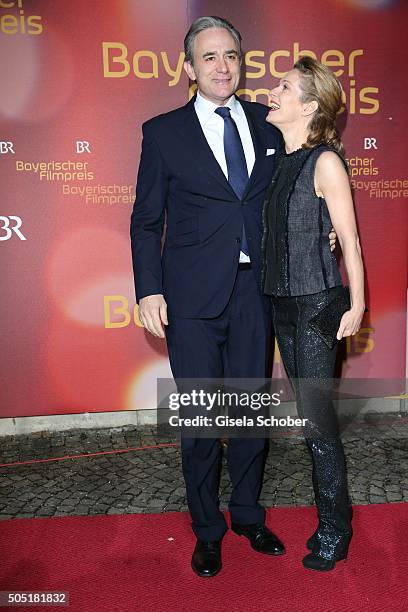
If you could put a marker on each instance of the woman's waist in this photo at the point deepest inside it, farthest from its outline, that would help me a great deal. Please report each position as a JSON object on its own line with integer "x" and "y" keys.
{"x": 302, "y": 275}
{"x": 312, "y": 297}
{"x": 304, "y": 252}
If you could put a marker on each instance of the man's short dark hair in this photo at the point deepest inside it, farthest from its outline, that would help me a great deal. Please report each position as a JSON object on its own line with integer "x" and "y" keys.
{"x": 203, "y": 23}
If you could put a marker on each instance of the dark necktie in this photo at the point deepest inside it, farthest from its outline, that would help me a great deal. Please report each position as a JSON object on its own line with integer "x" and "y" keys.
{"x": 236, "y": 163}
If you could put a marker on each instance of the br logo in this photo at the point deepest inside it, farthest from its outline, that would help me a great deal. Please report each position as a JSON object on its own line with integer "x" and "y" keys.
{"x": 83, "y": 146}
{"x": 370, "y": 143}
{"x": 6, "y": 147}
{"x": 9, "y": 225}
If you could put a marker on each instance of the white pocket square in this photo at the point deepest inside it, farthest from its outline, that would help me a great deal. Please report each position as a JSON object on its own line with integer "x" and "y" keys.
{"x": 270, "y": 151}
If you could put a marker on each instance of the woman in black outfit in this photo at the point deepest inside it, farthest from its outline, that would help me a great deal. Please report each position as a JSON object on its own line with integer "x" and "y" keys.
{"x": 309, "y": 194}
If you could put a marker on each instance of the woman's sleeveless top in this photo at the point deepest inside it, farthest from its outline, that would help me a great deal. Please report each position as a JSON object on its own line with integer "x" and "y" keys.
{"x": 296, "y": 250}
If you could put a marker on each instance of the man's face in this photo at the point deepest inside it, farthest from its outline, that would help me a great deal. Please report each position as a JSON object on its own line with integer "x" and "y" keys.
{"x": 216, "y": 66}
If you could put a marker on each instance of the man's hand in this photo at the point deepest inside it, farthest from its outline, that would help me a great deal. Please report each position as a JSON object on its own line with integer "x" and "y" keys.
{"x": 153, "y": 314}
{"x": 332, "y": 239}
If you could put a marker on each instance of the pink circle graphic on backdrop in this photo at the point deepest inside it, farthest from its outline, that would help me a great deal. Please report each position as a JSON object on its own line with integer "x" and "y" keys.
{"x": 86, "y": 265}
{"x": 36, "y": 74}
{"x": 19, "y": 68}
{"x": 142, "y": 390}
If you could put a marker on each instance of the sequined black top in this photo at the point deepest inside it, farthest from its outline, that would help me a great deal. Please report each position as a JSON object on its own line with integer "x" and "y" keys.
{"x": 296, "y": 250}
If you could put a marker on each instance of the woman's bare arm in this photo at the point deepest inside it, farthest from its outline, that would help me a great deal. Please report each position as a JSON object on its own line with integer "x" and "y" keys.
{"x": 332, "y": 182}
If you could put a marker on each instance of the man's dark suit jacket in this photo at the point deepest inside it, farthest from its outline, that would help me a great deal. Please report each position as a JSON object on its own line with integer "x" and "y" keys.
{"x": 179, "y": 174}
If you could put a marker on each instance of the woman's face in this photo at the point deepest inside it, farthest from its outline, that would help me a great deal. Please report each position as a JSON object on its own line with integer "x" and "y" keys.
{"x": 284, "y": 100}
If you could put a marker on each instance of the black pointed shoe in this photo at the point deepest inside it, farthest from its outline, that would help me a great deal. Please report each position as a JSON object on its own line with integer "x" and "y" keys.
{"x": 316, "y": 561}
{"x": 261, "y": 538}
{"x": 206, "y": 559}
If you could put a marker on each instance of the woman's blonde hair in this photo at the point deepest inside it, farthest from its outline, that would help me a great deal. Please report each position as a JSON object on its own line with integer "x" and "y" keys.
{"x": 318, "y": 83}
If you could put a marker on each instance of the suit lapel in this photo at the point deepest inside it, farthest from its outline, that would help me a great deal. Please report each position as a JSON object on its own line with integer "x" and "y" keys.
{"x": 201, "y": 152}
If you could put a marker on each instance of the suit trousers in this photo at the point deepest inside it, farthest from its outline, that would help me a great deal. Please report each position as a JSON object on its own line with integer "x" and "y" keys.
{"x": 231, "y": 345}
{"x": 310, "y": 365}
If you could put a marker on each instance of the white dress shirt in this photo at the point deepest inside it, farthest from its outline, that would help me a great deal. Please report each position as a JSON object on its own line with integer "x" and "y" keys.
{"x": 213, "y": 128}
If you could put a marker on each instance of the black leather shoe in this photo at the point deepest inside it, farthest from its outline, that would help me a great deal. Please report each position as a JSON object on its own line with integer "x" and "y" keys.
{"x": 315, "y": 561}
{"x": 206, "y": 559}
{"x": 262, "y": 539}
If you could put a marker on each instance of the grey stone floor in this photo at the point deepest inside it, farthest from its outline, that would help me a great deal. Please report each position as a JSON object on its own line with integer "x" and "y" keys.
{"x": 142, "y": 481}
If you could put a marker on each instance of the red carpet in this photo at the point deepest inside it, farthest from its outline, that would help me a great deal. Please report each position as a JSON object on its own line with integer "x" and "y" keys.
{"x": 142, "y": 562}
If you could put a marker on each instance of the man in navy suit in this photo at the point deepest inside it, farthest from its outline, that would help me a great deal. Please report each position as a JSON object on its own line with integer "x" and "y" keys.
{"x": 207, "y": 166}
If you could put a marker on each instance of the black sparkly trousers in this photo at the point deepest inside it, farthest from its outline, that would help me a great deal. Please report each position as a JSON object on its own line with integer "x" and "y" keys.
{"x": 310, "y": 365}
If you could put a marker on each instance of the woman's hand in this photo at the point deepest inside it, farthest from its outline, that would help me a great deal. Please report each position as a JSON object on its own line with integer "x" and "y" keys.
{"x": 350, "y": 322}
{"x": 331, "y": 180}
